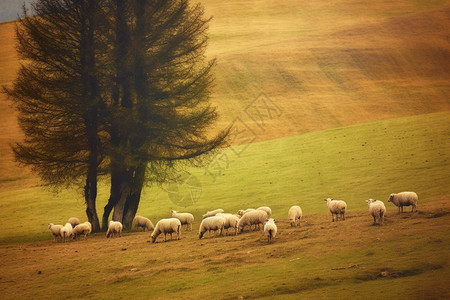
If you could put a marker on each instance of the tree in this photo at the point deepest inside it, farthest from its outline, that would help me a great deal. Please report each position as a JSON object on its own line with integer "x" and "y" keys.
{"x": 57, "y": 95}
{"x": 160, "y": 111}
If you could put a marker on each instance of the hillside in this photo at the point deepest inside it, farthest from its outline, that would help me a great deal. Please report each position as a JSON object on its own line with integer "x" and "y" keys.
{"x": 318, "y": 65}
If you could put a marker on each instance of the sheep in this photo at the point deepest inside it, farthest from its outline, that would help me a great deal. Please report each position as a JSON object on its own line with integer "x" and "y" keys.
{"x": 255, "y": 217}
{"x": 73, "y": 221}
{"x": 66, "y": 232}
{"x": 212, "y": 213}
{"x": 143, "y": 222}
{"x": 242, "y": 212}
{"x": 270, "y": 229}
{"x": 404, "y": 199}
{"x": 185, "y": 218}
{"x": 211, "y": 223}
{"x": 55, "y": 230}
{"x": 336, "y": 207}
{"x": 295, "y": 214}
{"x": 266, "y": 209}
{"x": 231, "y": 221}
{"x": 166, "y": 226}
{"x": 82, "y": 229}
{"x": 377, "y": 210}
{"x": 114, "y": 228}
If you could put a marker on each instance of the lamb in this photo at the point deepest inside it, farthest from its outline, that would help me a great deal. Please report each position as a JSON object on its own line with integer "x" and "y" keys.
{"x": 231, "y": 221}
{"x": 185, "y": 218}
{"x": 211, "y": 223}
{"x": 55, "y": 230}
{"x": 404, "y": 199}
{"x": 266, "y": 209}
{"x": 212, "y": 213}
{"x": 336, "y": 207}
{"x": 114, "y": 228}
{"x": 143, "y": 222}
{"x": 295, "y": 214}
{"x": 73, "y": 221}
{"x": 82, "y": 229}
{"x": 255, "y": 217}
{"x": 166, "y": 226}
{"x": 66, "y": 232}
{"x": 377, "y": 210}
{"x": 270, "y": 229}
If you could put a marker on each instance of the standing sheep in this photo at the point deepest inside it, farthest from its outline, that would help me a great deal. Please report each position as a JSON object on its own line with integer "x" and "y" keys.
{"x": 336, "y": 207}
{"x": 270, "y": 229}
{"x": 404, "y": 199}
{"x": 114, "y": 228}
{"x": 295, "y": 214}
{"x": 377, "y": 210}
{"x": 185, "y": 218}
{"x": 55, "y": 230}
{"x": 66, "y": 232}
{"x": 231, "y": 221}
{"x": 266, "y": 209}
{"x": 255, "y": 217}
{"x": 212, "y": 213}
{"x": 143, "y": 222}
{"x": 211, "y": 223}
{"x": 73, "y": 221}
{"x": 82, "y": 229}
{"x": 166, "y": 226}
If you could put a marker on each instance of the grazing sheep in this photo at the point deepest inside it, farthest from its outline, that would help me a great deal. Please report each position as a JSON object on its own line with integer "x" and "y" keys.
{"x": 82, "y": 229}
{"x": 404, "y": 199}
{"x": 266, "y": 209}
{"x": 66, "y": 232}
{"x": 295, "y": 214}
{"x": 73, "y": 221}
{"x": 55, "y": 230}
{"x": 336, "y": 207}
{"x": 255, "y": 217}
{"x": 185, "y": 218}
{"x": 377, "y": 210}
{"x": 114, "y": 228}
{"x": 211, "y": 223}
{"x": 212, "y": 213}
{"x": 166, "y": 226}
{"x": 242, "y": 212}
{"x": 231, "y": 221}
{"x": 143, "y": 222}
{"x": 270, "y": 229}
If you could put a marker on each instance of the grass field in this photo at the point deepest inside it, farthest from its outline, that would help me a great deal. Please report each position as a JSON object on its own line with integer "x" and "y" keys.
{"x": 358, "y": 107}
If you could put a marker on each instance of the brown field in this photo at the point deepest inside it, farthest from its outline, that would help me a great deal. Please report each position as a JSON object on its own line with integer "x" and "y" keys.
{"x": 342, "y": 258}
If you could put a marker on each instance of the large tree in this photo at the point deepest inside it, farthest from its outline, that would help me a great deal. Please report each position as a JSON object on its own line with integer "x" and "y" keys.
{"x": 57, "y": 94}
{"x": 159, "y": 109}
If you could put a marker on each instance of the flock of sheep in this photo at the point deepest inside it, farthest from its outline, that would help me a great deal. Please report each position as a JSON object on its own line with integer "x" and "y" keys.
{"x": 218, "y": 221}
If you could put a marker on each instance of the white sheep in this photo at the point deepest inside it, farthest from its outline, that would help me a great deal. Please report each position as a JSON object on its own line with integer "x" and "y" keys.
{"x": 55, "y": 230}
{"x": 82, "y": 229}
{"x": 255, "y": 217}
{"x": 66, "y": 232}
{"x": 211, "y": 223}
{"x": 212, "y": 213}
{"x": 142, "y": 222}
{"x": 242, "y": 212}
{"x": 377, "y": 210}
{"x": 166, "y": 226}
{"x": 270, "y": 229}
{"x": 336, "y": 207}
{"x": 185, "y": 218}
{"x": 295, "y": 214}
{"x": 231, "y": 221}
{"x": 266, "y": 209}
{"x": 114, "y": 228}
{"x": 73, "y": 221}
{"x": 404, "y": 199}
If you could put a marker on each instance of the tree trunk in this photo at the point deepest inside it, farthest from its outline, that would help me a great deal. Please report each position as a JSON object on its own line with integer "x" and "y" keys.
{"x": 134, "y": 197}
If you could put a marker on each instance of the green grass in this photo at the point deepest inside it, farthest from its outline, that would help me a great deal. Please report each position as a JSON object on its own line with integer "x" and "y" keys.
{"x": 352, "y": 163}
